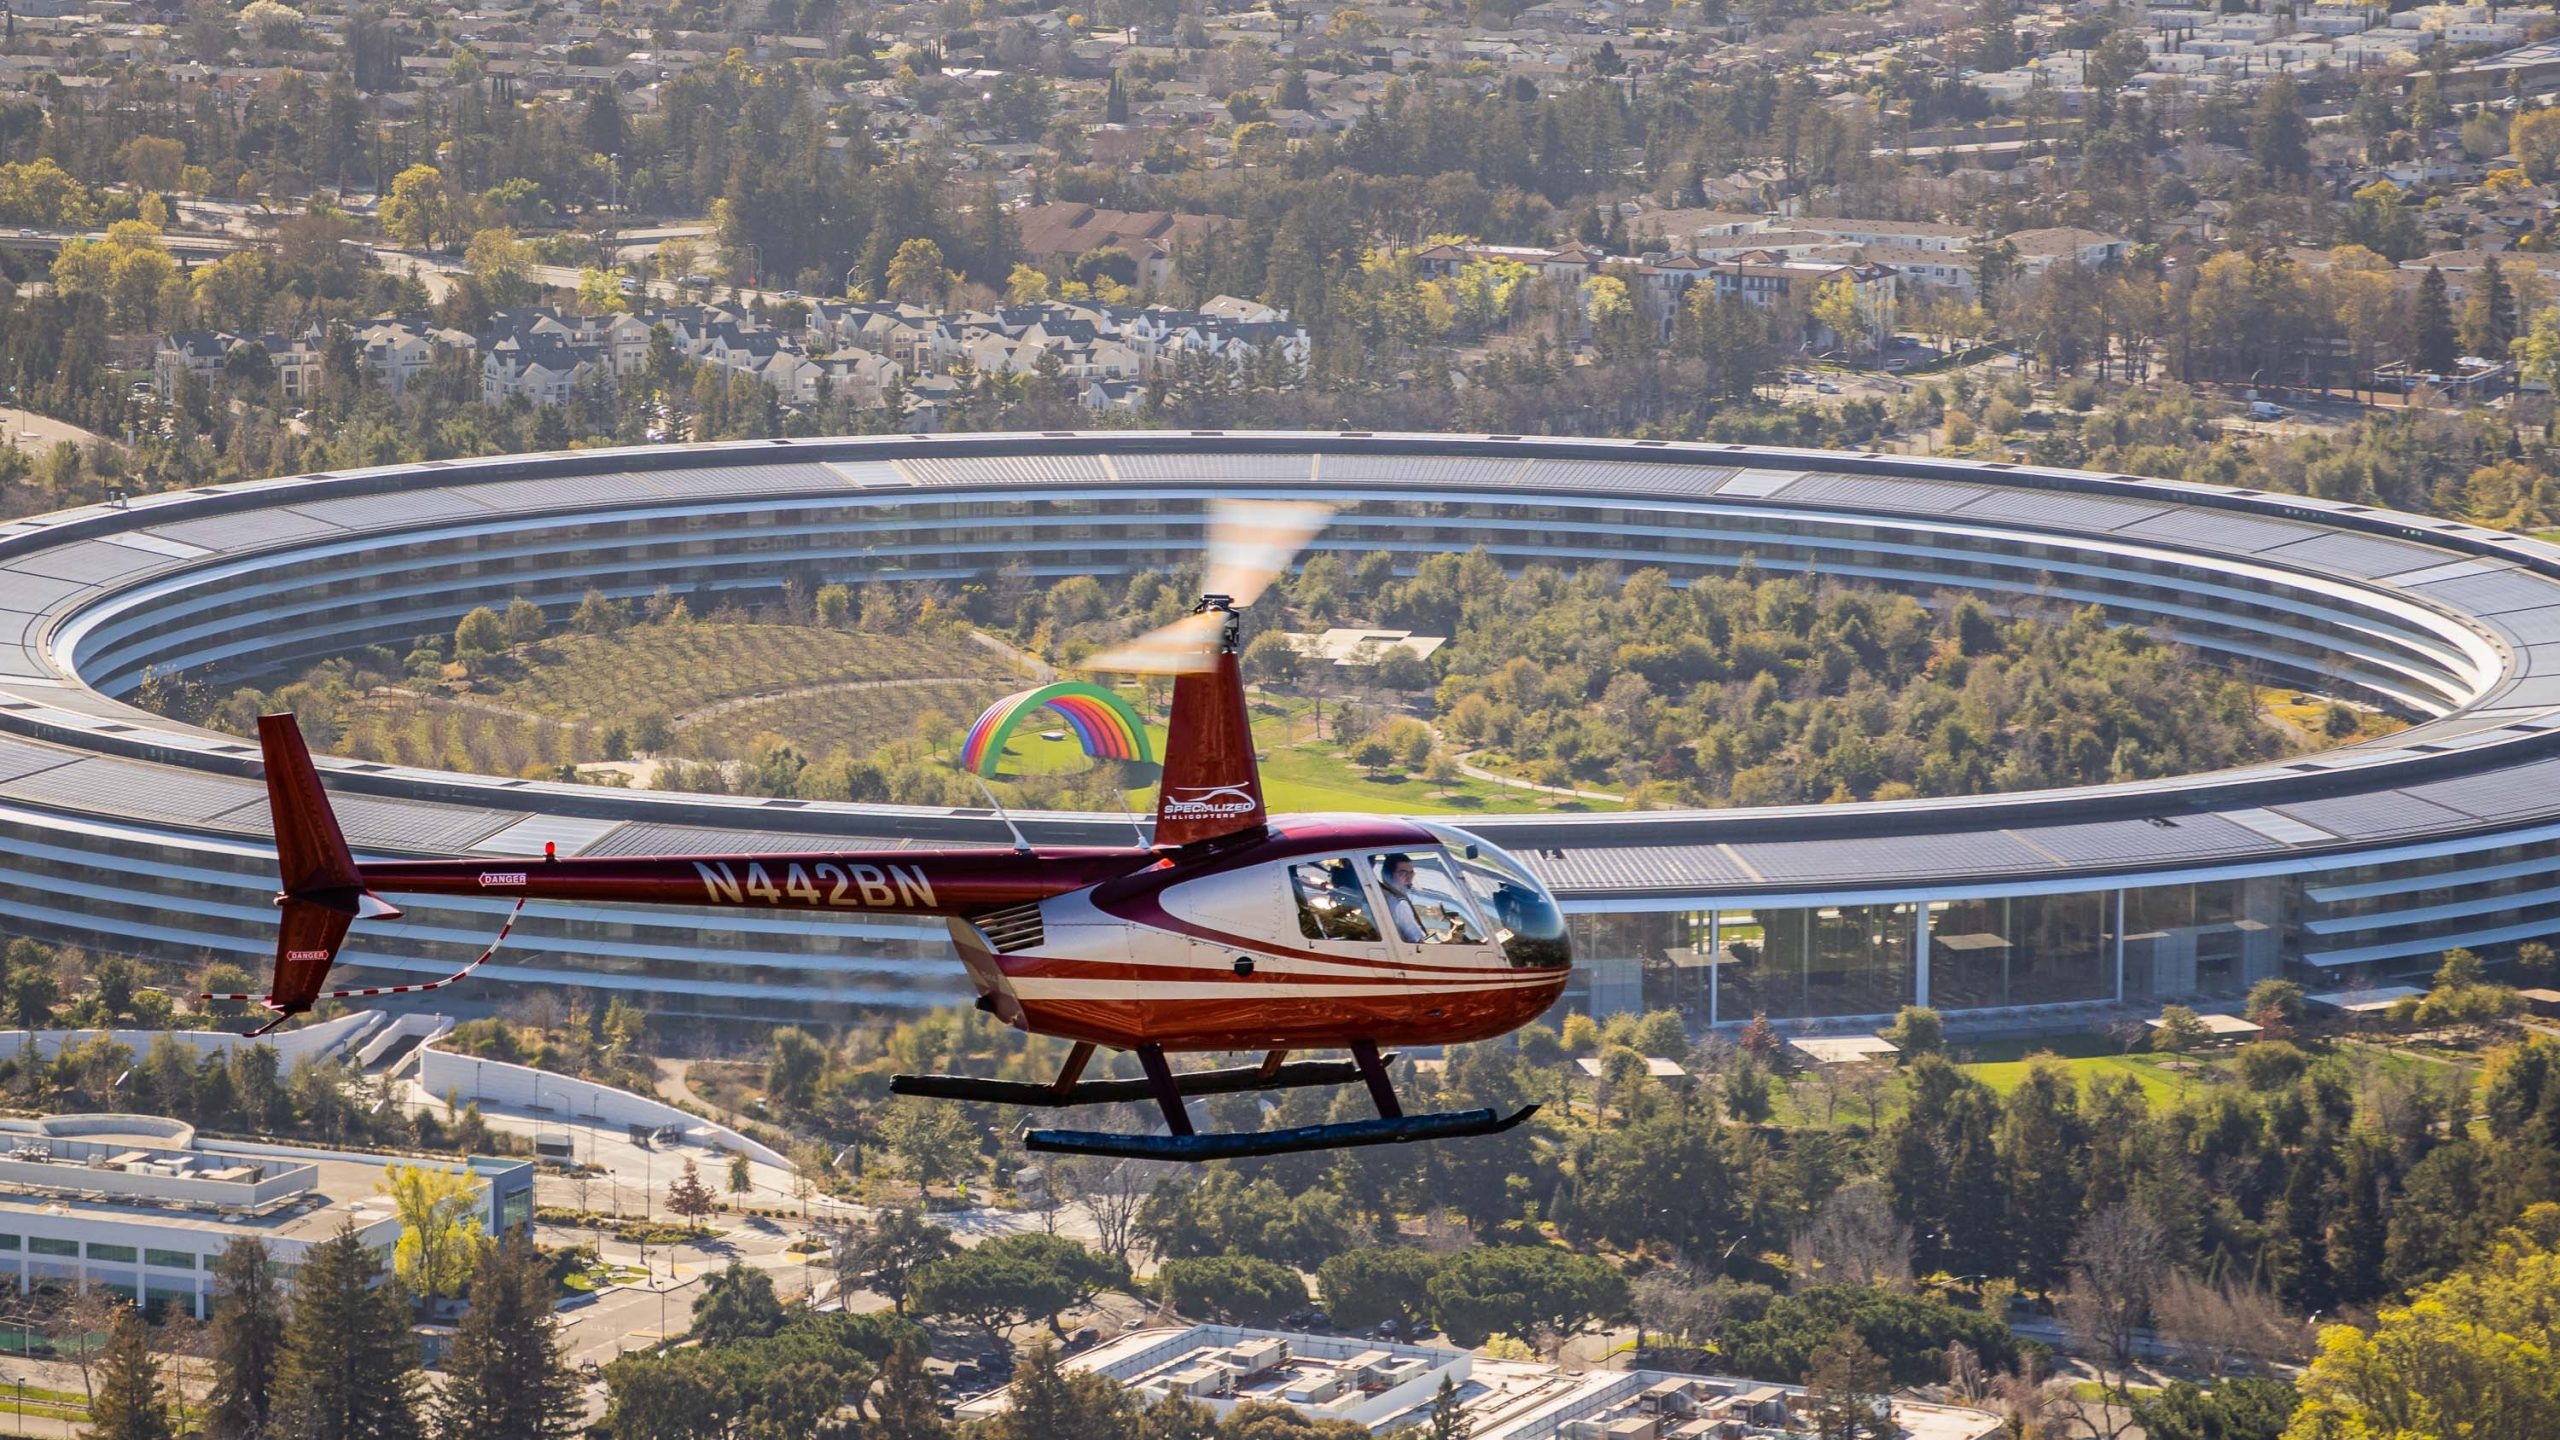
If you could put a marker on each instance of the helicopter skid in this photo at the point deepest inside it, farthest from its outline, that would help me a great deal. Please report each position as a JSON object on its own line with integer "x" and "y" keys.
{"x": 1234, "y": 1081}
{"x": 1398, "y": 1130}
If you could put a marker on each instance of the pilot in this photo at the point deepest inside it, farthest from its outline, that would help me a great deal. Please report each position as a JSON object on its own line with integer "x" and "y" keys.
{"x": 1395, "y": 876}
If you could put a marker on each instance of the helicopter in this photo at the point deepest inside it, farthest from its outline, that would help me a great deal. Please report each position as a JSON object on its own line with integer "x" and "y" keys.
{"x": 1229, "y": 930}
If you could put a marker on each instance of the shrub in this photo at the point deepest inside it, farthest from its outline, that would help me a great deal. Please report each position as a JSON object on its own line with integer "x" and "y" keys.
{"x": 2271, "y": 1064}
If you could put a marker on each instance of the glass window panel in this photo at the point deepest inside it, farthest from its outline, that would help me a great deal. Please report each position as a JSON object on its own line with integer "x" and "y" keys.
{"x": 1823, "y": 961}
{"x": 1331, "y": 905}
{"x": 1424, "y": 903}
{"x": 169, "y": 1259}
{"x": 43, "y": 1246}
{"x": 122, "y": 1254}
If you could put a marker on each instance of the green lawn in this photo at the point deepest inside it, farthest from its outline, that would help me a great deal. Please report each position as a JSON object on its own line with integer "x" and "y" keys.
{"x": 2165, "y": 1079}
{"x": 1300, "y": 773}
{"x": 2161, "y": 1085}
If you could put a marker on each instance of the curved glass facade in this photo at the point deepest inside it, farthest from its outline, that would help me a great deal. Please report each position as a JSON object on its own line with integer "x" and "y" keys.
{"x": 124, "y": 832}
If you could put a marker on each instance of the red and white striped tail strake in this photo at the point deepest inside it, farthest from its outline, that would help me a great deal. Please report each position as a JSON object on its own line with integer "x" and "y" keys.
{"x": 373, "y": 990}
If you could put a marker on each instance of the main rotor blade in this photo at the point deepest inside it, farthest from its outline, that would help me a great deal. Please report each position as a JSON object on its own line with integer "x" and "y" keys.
{"x": 1252, "y": 541}
{"x": 1186, "y": 646}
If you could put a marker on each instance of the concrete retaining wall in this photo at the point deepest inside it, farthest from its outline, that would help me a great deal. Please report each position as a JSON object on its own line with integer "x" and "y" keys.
{"x": 290, "y": 1046}
{"x": 521, "y": 1087}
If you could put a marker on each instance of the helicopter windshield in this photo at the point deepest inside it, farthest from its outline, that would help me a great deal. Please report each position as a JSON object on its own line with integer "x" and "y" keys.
{"x": 1526, "y": 921}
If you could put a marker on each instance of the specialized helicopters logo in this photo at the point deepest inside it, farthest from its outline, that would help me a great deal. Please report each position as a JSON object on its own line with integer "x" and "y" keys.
{"x": 1210, "y": 802}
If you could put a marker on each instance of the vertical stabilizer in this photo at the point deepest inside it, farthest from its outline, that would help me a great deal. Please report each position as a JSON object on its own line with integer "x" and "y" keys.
{"x": 322, "y": 891}
{"x": 311, "y": 854}
{"x": 1212, "y": 787}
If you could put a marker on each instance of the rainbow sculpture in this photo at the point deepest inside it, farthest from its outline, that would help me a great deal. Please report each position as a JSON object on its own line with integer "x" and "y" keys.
{"x": 1105, "y": 724}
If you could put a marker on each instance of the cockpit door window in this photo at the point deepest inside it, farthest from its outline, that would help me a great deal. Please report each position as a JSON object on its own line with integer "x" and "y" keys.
{"x": 1425, "y": 905}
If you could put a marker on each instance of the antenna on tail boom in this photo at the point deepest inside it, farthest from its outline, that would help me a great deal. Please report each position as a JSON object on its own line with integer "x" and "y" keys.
{"x": 1021, "y": 846}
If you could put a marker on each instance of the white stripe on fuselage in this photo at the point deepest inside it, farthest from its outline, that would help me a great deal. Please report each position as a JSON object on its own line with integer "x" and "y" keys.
{"x": 1034, "y": 988}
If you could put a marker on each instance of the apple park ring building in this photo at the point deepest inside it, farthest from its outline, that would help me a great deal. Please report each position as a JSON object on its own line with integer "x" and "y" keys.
{"x": 124, "y": 831}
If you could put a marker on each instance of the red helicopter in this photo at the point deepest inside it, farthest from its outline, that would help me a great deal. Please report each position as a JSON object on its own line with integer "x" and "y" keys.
{"x": 1233, "y": 931}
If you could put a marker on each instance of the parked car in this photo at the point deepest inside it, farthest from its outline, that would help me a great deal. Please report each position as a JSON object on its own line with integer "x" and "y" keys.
{"x": 2262, "y": 410}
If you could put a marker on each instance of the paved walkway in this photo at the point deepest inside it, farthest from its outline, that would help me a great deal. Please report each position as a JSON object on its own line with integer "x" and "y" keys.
{"x": 1514, "y": 782}
{"x": 36, "y": 433}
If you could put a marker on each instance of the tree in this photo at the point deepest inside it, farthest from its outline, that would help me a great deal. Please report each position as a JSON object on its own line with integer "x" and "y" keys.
{"x": 1516, "y": 1289}
{"x": 248, "y": 1335}
{"x": 480, "y": 633}
{"x": 2279, "y": 138}
{"x": 793, "y": 1068}
{"x": 736, "y": 1304}
{"x": 128, "y": 1404}
{"x": 1271, "y": 658}
{"x": 1918, "y": 1030}
{"x": 414, "y": 212}
{"x": 742, "y": 1174}
{"x": 681, "y": 1396}
{"x": 1854, "y": 1239}
{"x": 1014, "y": 1278}
{"x": 1365, "y": 1287}
{"x": 600, "y": 614}
{"x": 2275, "y": 1006}
{"x": 688, "y": 1196}
{"x": 502, "y": 264}
{"x": 600, "y": 289}
{"x": 2242, "y": 1409}
{"x": 504, "y": 1377}
{"x": 881, "y": 1253}
{"x": 2212, "y": 1325}
{"x": 933, "y": 1142}
{"x": 349, "y": 1366}
{"x": 916, "y": 273}
{"x": 440, "y": 1227}
{"x": 2537, "y": 354}
{"x": 1910, "y": 1332}
{"x": 2433, "y": 346}
{"x": 524, "y": 621}
{"x": 1848, "y": 1390}
{"x": 2178, "y": 1030}
{"x": 2469, "y": 1355}
{"x": 2041, "y": 1142}
{"x": 2534, "y": 137}
{"x": 2489, "y": 314}
{"x": 1025, "y": 285}
{"x": 1051, "y": 1402}
{"x": 1835, "y": 308}
{"x": 1232, "y": 1289}
{"x": 2116, "y": 1264}
{"x": 907, "y": 1406}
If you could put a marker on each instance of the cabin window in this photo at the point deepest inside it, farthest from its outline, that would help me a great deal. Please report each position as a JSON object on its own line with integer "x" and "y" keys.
{"x": 1331, "y": 905}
